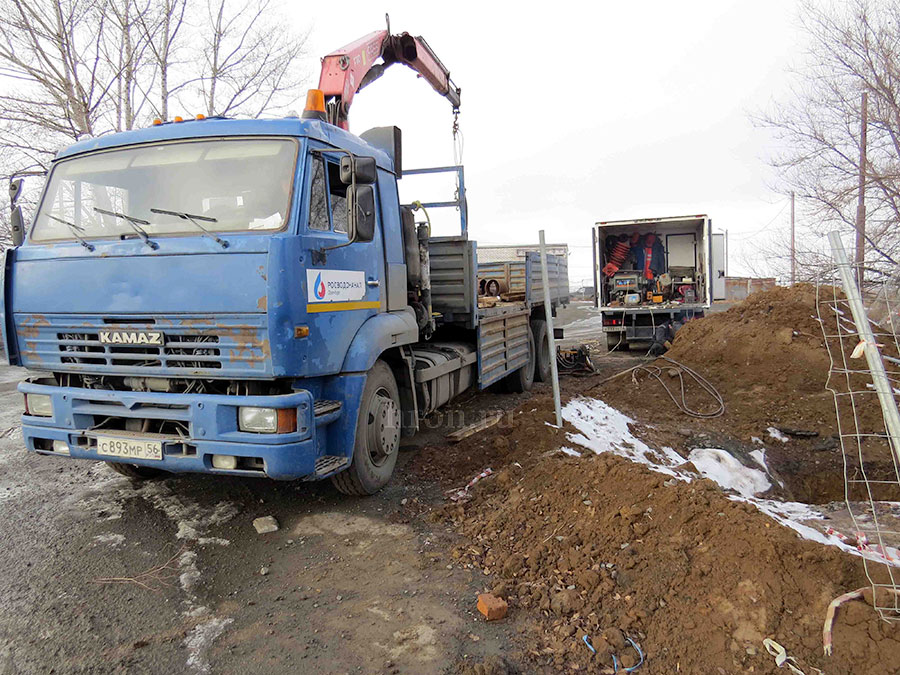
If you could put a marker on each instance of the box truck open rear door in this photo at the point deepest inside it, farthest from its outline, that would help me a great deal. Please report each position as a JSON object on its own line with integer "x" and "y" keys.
{"x": 718, "y": 266}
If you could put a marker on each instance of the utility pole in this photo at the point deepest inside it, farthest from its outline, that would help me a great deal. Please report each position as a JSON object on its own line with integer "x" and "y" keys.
{"x": 793, "y": 245}
{"x": 861, "y": 199}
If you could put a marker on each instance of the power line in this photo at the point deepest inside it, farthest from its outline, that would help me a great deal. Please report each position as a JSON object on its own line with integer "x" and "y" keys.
{"x": 764, "y": 227}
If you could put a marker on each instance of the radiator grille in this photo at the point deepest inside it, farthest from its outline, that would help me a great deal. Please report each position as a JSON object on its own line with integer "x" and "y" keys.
{"x": 217, "y": 346}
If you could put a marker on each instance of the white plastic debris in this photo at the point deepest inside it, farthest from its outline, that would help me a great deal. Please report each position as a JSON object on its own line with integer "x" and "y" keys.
{"x": 266, "y": 524}
{"x": 777, "y": 435}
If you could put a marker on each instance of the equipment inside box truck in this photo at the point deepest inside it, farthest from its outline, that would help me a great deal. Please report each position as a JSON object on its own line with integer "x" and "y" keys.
{"x": 655, "y": 272}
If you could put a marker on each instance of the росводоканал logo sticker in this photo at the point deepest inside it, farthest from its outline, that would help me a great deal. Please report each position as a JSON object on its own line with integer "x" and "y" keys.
{"x": 335, "y": 285}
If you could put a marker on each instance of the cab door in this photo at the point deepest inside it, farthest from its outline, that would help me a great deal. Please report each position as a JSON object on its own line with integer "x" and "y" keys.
{"x": 343, "y": 284}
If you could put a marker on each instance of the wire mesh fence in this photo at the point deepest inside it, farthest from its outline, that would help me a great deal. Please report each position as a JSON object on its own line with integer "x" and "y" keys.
{"x": 860, "y": 331}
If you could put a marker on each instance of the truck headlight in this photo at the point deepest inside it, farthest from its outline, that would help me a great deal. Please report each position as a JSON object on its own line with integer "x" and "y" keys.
{"x": 267, "y": 420}
{"x": 40, "y": 405}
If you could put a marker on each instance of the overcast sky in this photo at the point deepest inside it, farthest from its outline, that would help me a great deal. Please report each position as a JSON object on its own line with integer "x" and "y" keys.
{"x": 587, "y": 111}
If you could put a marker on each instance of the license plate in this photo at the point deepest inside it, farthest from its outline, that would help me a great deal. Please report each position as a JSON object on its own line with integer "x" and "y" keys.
{"x": 126, "y": 447}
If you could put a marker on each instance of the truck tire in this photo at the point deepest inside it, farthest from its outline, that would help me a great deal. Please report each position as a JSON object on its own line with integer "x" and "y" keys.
{"x": 522, "y": 380}
{"x": 617, "y": 342}
{"x": 377, "y": 440}
{"x": 541, "y": 350}
{"x": 135, "y": 472}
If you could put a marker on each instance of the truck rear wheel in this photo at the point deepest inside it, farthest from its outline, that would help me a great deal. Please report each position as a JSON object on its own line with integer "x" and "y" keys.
{"x": 135, "y": 472}
{"x": 541, "y": 350}
{"x": 377, "y": 436}
{"x": 522, "y": 380}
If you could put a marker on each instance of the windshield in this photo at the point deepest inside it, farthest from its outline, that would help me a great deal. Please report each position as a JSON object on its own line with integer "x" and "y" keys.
{"x": 234, "y": 185}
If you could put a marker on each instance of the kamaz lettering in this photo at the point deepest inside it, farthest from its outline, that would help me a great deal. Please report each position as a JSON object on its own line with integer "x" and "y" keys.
{"x": 116, "y": 337}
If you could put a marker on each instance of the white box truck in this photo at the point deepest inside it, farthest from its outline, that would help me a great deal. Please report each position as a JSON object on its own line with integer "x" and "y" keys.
{"x": 653, "y": 274}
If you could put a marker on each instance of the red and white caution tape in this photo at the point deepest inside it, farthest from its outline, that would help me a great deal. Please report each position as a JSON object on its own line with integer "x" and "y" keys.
{"x": 461, "y": 494}
{"x": 861, "y": 543}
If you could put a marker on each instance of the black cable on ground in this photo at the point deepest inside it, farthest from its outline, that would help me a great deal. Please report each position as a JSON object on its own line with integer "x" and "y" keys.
{"x": 655, "y": 371}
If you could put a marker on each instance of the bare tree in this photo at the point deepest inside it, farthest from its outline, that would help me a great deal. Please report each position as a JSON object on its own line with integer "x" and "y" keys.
{"x": 70, "y": 68}
{"x": 248, "y": 59}
{"x": 62, "y": 82}
{"x": 854, "y": 48}
{"x": 161, "y": 26}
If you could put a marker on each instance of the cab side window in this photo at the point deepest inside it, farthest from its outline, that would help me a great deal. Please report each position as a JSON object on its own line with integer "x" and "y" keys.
{"x": 318, "y": 198}
{"x": 338, "y": 193}
{"x": 327, "y": 197}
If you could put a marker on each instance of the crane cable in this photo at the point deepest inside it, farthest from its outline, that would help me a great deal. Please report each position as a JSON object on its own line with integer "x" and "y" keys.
{"x": 458, "y": 147}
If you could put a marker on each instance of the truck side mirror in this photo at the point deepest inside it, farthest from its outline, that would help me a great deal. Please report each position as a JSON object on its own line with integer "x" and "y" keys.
{"x": 363, "y": 167}
{"x": 16, "y": 222}
{"x": 17, "y": 226}
{"x": 361, "y": 213}
{"x": 15, "y": 190}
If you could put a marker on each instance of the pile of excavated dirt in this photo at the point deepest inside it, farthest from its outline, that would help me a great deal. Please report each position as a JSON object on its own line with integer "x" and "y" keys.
{"x": 768, "y": 359}
{"x": 600, "y": 547}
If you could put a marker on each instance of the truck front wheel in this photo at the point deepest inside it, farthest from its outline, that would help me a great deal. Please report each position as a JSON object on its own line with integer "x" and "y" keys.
{"x": 377, "y": 435}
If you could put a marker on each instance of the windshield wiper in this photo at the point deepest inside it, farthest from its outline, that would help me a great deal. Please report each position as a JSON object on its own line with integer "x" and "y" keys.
{"x": 135, "y": 225}
{"x": 193, "y": 220}
{"x": 75, "y": 230}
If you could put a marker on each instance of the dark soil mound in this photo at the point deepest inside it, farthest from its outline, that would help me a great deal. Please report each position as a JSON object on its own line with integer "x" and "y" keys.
{"x": 768, "y": 358}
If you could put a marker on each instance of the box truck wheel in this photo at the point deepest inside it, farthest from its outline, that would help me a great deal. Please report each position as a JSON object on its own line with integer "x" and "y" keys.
{"x": 616, "y": 341}
{"x": 541, "y": 350}
{"x": 377, "y": 435}
{"x": 522, "y": 379}
{"x": 135, "y": 472}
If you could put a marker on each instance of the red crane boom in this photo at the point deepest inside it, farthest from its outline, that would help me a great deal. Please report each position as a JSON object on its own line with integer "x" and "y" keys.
{"x": 349, "y": 69}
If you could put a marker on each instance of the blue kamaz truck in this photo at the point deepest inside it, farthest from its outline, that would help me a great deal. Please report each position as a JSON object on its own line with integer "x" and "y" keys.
{"x": 249, "y": 297}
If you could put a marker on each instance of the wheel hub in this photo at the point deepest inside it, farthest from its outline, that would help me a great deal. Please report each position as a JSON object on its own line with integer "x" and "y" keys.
{"x": 384, "y": 428}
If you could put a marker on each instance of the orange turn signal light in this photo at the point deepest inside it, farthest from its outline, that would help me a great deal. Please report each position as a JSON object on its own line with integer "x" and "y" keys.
{"x": 315, "y": 101}
{"x": 287, "y": 420}
{"x": 200, "y": 116}
{"x": 157, "y": 122}
{"x": 178, "y": 118}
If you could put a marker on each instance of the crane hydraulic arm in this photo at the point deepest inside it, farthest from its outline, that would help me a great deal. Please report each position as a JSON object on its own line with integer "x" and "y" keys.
{"x": 349, "y": 69}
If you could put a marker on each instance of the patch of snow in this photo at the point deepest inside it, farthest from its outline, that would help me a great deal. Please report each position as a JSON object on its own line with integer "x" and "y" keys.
{"x": 200, "y": 640}
{"x": 190, "y": 574}
{"x": 570, "y": 451}
{"x": 105, "y": 495}
{"x": 191, "y": 519}
{"x": 756, "y": 439}
{"x": 727, "y": 472}
{"x": 605, "y": 429}
{"x": 114, "y": 540}
{"x": 218, "y": 541}
{"x": 12, "y": 491}
{"x": 759, "y": 456}
{"x": 777, "y": 435}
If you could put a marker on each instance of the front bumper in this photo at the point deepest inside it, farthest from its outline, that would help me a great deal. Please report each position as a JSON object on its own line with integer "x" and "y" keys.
{"x": 212, "y": 423}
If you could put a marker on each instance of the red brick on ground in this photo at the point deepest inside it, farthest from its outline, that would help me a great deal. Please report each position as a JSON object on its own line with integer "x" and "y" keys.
{"x": 491, "y": 606}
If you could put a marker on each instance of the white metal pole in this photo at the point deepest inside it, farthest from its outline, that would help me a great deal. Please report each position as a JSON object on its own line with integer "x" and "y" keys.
{"x": 548, "y": 314}
{"x": 876, "y": 366}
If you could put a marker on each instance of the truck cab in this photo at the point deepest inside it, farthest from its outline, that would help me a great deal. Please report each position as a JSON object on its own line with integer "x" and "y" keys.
{"x": 196, "y": 288}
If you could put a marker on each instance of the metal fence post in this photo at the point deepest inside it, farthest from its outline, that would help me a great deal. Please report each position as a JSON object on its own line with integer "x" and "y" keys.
{"x": 548, "y": 315}
{"x": 873, "y": 357}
